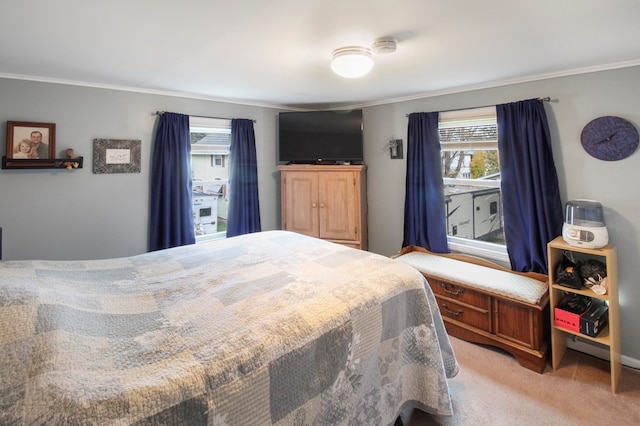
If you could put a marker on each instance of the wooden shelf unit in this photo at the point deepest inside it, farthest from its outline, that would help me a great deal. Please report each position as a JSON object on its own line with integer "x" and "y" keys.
{"x": 610, "y": 335}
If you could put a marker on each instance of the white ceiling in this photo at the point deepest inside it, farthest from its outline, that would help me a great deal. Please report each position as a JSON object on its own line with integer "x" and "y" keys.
{"x": 277, "y": 52}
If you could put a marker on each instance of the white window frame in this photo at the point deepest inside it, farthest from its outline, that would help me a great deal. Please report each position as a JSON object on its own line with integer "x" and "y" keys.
{"x": 495, "y": 252}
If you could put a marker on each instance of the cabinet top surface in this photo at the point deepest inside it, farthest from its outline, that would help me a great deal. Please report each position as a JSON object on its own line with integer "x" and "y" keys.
{"x": 322, "y": 167}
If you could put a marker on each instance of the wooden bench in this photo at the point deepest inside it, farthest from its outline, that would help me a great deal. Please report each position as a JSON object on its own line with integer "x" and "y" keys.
{"x": 483, "y": 302}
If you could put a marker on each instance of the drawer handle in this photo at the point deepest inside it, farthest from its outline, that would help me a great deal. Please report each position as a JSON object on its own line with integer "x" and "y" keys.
{"x": 450, "y": 312}
{"x": 452, "y": 292}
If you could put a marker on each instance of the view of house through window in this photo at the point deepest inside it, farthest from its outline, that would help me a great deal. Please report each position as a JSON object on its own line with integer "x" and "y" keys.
{"x": 471, "y": 175}
{"x": 210, "y": 142}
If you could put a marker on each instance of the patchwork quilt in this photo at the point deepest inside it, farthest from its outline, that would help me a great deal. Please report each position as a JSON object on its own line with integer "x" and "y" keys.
{"x": 271, "y": 328}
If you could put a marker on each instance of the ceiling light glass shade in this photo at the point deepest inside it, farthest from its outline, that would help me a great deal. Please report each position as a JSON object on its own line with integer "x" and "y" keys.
{"x": 351, "y": 62}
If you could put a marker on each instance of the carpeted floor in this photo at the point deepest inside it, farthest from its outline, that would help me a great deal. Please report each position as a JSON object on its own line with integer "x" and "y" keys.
{"x": 493, "y": 389}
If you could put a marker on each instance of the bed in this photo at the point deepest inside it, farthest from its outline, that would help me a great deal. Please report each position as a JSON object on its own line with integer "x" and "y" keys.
{"x": 266, "y": 328}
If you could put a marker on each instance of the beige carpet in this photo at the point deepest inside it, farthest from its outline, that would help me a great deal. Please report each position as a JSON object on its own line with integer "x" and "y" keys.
{"x": 493, "y": 389}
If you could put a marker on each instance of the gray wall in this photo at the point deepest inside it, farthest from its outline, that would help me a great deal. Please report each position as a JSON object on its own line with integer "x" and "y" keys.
{"x": 575, "y": 101}
{"x": 60, "y": 214}
{"x": 66, "y": 215}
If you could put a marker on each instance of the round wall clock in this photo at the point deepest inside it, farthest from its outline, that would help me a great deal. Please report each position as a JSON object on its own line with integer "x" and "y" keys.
{"x": 609, "y": 138}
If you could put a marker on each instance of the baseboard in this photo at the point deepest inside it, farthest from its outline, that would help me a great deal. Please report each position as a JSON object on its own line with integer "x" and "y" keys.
{"x": 599, "y": 352}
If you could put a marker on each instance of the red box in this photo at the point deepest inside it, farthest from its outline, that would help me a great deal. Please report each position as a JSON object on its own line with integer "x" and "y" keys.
{"x": 567, "y": 320}
{"x": 569, "y": 311}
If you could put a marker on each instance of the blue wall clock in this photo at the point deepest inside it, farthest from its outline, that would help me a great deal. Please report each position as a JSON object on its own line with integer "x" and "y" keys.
{"x": 609, "y": 138}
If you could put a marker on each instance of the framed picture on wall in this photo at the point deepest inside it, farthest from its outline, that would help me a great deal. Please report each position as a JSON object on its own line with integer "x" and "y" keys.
{"x": 30, "y": 141}
{"x": 116, "y": 155}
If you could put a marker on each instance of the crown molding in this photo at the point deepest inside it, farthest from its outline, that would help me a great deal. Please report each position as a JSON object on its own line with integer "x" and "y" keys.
{"x": 424, "y": 95}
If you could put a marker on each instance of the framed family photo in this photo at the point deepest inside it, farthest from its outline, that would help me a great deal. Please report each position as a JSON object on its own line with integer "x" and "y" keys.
{"x": 30, "y": 141}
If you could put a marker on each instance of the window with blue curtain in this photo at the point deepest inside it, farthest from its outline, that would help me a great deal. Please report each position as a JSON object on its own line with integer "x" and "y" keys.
{"x": 172, "y": 209}
{"x": 531, "y": 203}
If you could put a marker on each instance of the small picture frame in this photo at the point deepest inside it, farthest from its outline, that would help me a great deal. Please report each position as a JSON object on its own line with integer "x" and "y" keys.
{"x": 31, "y": 141}
{"x": 116, "y": 156}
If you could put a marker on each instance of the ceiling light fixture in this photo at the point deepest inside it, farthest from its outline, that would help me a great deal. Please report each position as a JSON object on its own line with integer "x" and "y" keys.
{"x": 352, "y": 61}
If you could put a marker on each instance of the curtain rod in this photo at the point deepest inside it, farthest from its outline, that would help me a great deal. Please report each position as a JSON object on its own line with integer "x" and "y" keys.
{"x": 547, "y": 99}
{"x": 201, "y": 116}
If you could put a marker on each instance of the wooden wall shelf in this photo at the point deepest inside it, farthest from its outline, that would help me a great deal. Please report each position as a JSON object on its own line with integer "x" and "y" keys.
{"x": 46, "y": 163}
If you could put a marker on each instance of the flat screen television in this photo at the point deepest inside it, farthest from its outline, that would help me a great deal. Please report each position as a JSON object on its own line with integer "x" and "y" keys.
{"x": 320, "y": 137}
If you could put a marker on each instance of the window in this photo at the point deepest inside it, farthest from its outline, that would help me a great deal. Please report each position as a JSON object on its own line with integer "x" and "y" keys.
{"x": 471, "y": 175}
{"x": 217, "y": 160}
{"x": 210, "y": 142}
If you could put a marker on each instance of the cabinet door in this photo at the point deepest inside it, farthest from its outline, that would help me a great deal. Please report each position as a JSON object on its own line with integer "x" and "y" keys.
{"x": 338, "y": 205}
{"x": 301, "y": 203}
{"x": 517, "y": 323}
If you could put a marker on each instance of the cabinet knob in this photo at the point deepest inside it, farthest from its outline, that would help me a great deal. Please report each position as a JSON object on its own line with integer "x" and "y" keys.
{"x": 322, "y": 205}
{"x": 314, "y": 205}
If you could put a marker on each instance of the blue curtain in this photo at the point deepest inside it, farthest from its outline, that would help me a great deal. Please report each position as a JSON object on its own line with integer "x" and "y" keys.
{"x": 244, "y": 208}
{"x": 530, "y": 192}
{"x": 171, "y": 212}
{"x": 424, "y": 214}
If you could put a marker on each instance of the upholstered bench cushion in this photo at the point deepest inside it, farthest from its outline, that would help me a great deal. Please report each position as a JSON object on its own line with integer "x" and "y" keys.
{"x": 503, "y": 283}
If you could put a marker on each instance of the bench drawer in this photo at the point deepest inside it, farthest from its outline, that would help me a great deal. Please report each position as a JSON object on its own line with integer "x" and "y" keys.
{"x": 474, "y": 317}
{"x": 460, "y": 294}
